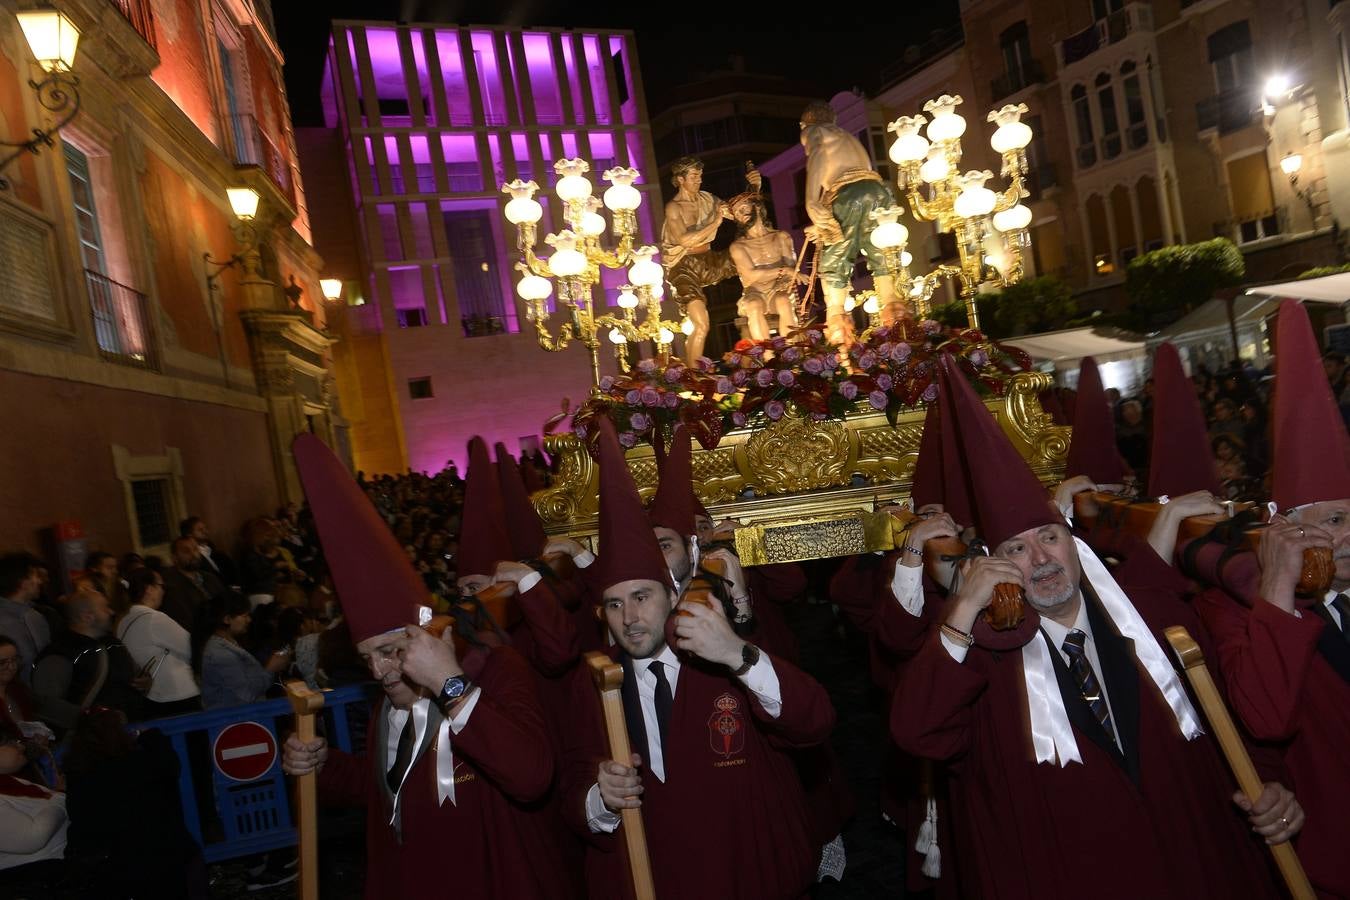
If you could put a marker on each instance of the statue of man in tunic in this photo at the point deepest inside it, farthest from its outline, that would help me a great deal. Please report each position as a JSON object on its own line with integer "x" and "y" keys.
{"x": 692, "y": 219}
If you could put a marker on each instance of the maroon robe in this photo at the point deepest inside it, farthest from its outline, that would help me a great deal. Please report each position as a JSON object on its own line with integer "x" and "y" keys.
{"x": 546, "y": 636}
{"x": 1156, "y": 821}
{"x": 729, "y": 821}
{"x": 497, "y": 840}
{"x": 1288, "y": 680}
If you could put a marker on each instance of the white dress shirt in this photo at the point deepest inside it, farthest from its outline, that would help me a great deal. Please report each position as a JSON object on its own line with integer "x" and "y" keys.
{"x": 420, "y": 712}
{"x": 907, "y": 586}
{"x": 1057, "y": 633}
{"x": 761, "y": 680}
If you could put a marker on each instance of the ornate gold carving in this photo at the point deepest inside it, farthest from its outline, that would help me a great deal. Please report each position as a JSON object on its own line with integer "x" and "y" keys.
{"x": 795, "y": 454}
{"x": 789, "y": 483}
{"x": 795, "y": 541}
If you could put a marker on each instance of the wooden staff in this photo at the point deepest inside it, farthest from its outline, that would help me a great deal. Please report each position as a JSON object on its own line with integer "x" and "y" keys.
{"x": 608, "y": 677}
{"x": 306, "y": 703}
{"x": 1184, "y": 646}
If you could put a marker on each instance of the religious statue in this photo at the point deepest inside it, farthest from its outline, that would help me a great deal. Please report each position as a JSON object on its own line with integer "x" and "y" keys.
{"x": 692, "y": 219}
{"x": 842, "y": 189}
{"x": 765, "y": 261}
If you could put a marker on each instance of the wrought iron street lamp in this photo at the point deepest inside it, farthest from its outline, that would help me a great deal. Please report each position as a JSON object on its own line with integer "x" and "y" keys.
{"x": 52, "y": 37}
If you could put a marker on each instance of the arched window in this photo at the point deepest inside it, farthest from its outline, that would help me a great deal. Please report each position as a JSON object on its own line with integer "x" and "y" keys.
{"x": 1136, "y": 122}
{"x": 1082, "y": 117}
{"x": 1106, "y": 108}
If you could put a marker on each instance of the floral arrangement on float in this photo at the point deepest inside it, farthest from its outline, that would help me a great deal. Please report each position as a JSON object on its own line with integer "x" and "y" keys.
{"x": 893, "y": 368}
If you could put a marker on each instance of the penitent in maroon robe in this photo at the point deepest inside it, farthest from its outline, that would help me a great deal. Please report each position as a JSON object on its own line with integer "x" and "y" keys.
{"x": 729, "y": 821}
{"x": 1288, "y": 680}
{"x": 1156, "y": 821}
{"x": 497, "y": 840}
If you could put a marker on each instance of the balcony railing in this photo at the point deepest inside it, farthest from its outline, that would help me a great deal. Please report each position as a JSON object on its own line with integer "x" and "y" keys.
{"x": 121, "y": 322}
{"x": 141, "y": 15}
{"x": 1013, "y": 81}
{"x": 1230, "y": 111}
{"x": 1132, "y": 19}
{"x": 252, "y": 147}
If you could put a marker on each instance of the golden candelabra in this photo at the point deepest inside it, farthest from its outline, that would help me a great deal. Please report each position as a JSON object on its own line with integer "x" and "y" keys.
{"x": 578, "y": 255}
{"x": 990, "y": 227}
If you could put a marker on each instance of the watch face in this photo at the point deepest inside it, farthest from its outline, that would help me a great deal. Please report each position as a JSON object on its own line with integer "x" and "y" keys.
{"x": 453, "y": 688}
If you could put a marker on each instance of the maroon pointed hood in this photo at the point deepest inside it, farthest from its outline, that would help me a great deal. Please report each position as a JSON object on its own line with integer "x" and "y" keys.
{"x": 628, "y": 548}
{"x": 376, "y": 583}
{"x": 522, "y": 521}
{"x": 1310, "y": 447}
{"x": 1180, "y": 459}
{"x": 1007, "y": 497}
{"x": 483, "y": 540}
{"x": 674, "y": 505}
{"x": 1093, "y": 451}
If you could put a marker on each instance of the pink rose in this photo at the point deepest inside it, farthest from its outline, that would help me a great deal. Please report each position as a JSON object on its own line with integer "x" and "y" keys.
{"x": 791, "y": 355}
{"x": 740, "y": 377}
{"x": 633, "y": 397}
{"x": 672, "y": 400}
{"x": 639, "y": 422}
{"x": 885, "y": 382}
{"x": 778, "y": 343}
{"x": 724, "y": 386}
{"x": 703, "y": 364}
{"x": 607, "y": 383}
{"x": 868, "y": 360}
{"x": 764, "y": 377}
{"x": 647, "y": 366}
{"x": 930, "y": 393}
{"x": 734, "y": 359}
{"x": 756, "y": 351}
{"x": 774, "y": 410}
{"x": 674, "y": 373}
{"x": 738, "y": 419}
{"x": 832, "y": 360}
{"x": 979, "y": 359}
{"x": 813, "y": 365}
{"x": 785, "y": 377}
{"x": 877, "y": 399}
{"x": 930, "y": 327}
{"x": 815, "y": 336}
{"x": 900, "y": 352}
{"x": 650, "y": 397}
{"x": 848, "y": 390}
{"x": 627, "y": 439}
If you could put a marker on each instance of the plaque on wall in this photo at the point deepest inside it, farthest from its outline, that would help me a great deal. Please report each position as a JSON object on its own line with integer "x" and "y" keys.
{"x": 27, "y": 285}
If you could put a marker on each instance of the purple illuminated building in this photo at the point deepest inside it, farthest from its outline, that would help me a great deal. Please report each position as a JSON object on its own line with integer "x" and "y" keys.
{"x": 424, "y": 124}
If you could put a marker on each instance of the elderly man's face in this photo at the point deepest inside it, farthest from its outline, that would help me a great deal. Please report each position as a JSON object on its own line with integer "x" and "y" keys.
{"x": 1049, "y": 563}
{"x": 1332, "y": 516}
{"x": 383, "y": 655}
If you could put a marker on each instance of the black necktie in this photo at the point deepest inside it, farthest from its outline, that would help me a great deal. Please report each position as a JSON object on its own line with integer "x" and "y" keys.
{"x": 664, "y": 701}
{"x": 1081, "y": 670}
{"x": 1342, "y": 606}
{"x": 403, "y": 756}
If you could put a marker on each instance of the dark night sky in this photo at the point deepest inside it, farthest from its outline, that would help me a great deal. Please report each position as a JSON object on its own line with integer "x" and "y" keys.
{"x": 834, "y": 57}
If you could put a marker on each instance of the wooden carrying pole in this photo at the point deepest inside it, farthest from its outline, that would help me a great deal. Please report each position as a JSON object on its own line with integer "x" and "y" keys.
{"x": 1231, "y": 743}
{"x": 306, "y": 703}
{"x": 608, "y": 677}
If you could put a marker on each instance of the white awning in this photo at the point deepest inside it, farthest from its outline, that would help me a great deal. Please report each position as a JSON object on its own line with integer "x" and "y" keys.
{"x": 1212, "y": 316}
{"x": 1327, "y": 289}
{"x": 1066, "y": 348}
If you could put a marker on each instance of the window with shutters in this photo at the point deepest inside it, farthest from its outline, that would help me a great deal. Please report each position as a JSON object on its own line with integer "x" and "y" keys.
{"x": 1251, "y": 198}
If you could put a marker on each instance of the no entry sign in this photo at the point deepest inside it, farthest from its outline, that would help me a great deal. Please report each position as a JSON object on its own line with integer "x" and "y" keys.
{"x": 244, "y": 751}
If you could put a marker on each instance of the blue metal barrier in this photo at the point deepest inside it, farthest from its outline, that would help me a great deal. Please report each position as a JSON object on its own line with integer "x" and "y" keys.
{"x": 253, "y": 807}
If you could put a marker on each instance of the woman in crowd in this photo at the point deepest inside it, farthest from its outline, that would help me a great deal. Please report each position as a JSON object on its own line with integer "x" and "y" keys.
{"x": 230, "y": 674}
{"x": 32, "y": 817}
{"x": 160, "y": 647}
